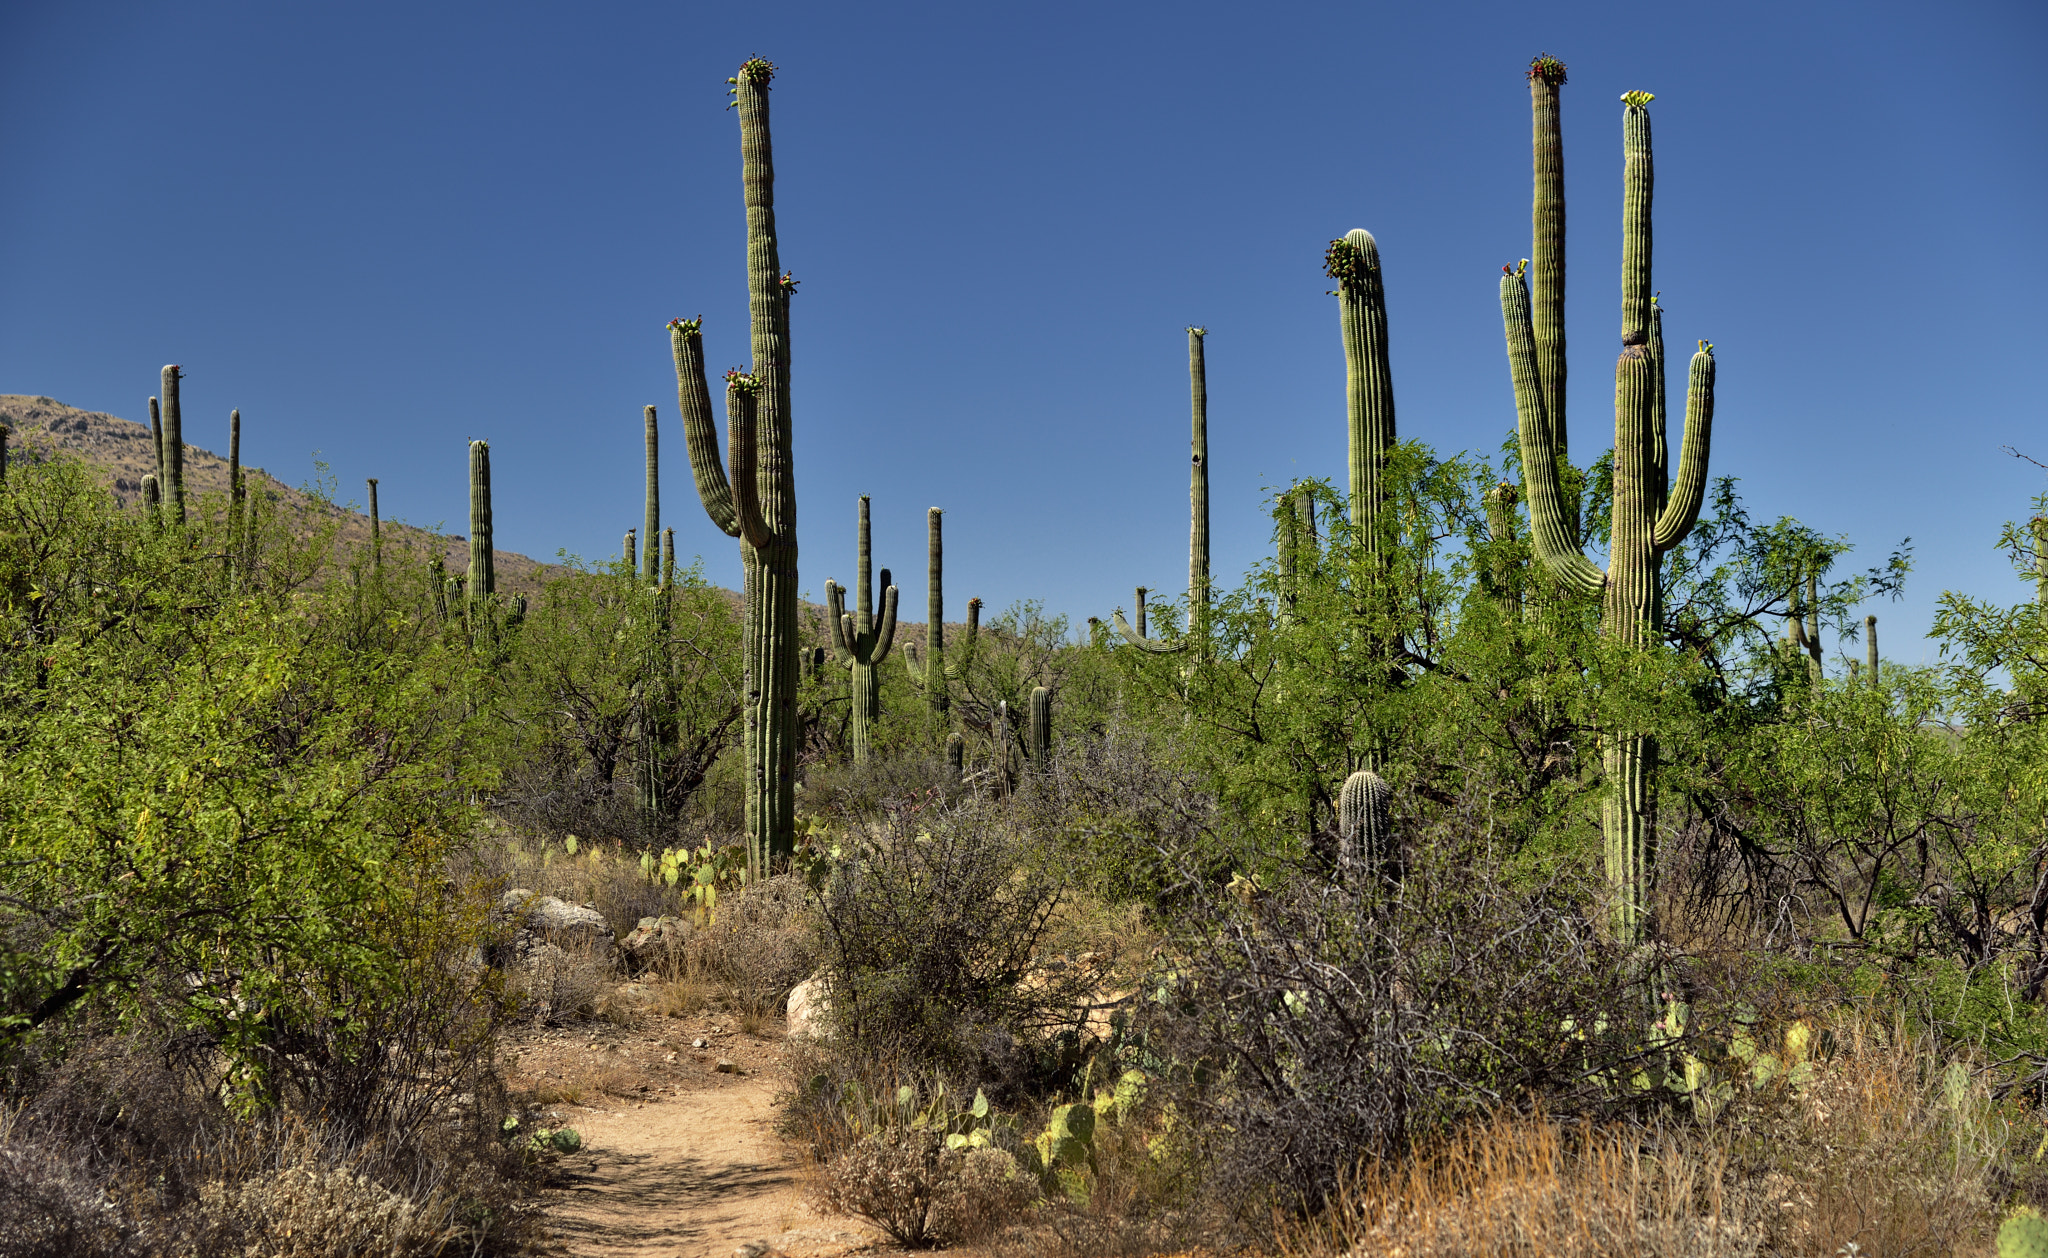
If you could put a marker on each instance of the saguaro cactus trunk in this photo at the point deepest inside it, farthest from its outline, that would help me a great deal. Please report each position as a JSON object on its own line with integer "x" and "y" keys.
{"x": 651, "y": 569}
{"x": 174, "y": 444}
{"x": 858, "y": 643}
{"x": 933, "y": 672}
{"x": 376, "y": 526}
{"x": 483, "y": 576}
{"x": 1354, "y": 262}
{"x": 758, "y": 505}
{"x": 1631, "y": 585}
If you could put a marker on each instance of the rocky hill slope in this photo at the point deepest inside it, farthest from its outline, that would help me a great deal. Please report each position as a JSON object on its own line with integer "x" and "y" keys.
{"x": 123, "y": 450}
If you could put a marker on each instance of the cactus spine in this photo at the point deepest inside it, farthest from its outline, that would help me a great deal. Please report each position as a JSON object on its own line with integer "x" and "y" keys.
{"x": 1631, "y": 585}
{"x": 173, "y": 484}
{"x": 651, "y": 571}
{"x": 1198, "y": 513}
{"x": 1354, "y": 262}
{"x": 1365, "y": 835}
{"x": 858, "y": 643}
{"x": 1039, "y": 730}
{"x": 483, "y": 578}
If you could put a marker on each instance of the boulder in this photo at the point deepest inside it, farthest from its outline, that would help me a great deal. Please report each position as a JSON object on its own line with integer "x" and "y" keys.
{"x": 656, "y": 940}
{"x": 808, "y": 1010}
{"x": 544, "y": 926}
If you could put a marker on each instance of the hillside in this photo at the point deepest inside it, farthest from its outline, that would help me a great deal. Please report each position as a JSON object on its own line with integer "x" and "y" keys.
{"x": 123, "y": 450}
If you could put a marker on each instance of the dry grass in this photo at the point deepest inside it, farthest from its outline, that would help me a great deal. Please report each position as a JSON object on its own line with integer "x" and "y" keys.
{"x": 1878, "y": 1151}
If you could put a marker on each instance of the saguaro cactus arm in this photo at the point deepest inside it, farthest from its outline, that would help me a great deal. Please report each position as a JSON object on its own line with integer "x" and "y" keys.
{"x": 1682, "y": 504}
{"x": 742, "y": 399}
{"x": 700, "y": 430}
{"x": 1549, "y": 523}
{"x": 1136, "y": 637}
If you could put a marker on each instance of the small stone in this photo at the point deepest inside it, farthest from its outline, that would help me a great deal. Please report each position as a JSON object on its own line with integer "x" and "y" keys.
{"x": 726, "y": 1067}
{"x": 700, "y": 1042}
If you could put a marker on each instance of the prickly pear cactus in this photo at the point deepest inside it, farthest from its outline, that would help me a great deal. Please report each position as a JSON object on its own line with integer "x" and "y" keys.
{"x": 2025, "y": 1235}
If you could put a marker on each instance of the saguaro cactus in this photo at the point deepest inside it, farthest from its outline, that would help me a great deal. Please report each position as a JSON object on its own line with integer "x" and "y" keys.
{"x": 1198, "y": 513}
{"x": 483, "y": 577}
{"x": 235, "y": 491}
{"x": 629, "y": 548}
{"x": 1546, "y": 228}
{"x": 758, "y": 505}
{"x": 1631, "y": 585}
{"x": 668, "y": 558}
{"x": 376, "y": 526}
{"x": 858, "y": 643}
{"x": 651, "y": 571}
{"x": 1870, "y": 647}
{"x": 1038, "y": 732}
{"x": 1364, "y": 833}
{"x": 1354, "y": 262}
{"x": 935, "y": 671}
{"x": 174, "y": 444}
{"x": 156, "y": 438}
{"x": 153, "y": 497}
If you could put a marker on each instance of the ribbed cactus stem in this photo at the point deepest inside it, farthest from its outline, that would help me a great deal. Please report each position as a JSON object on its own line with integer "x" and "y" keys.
{"x": 629, "y": 549}
{"x": 668, "y": 558}
{"x": 1364, "y": 832}
{"x": 1354, "y": 262}
{"x": 174, "y": 444}
{"x": 5, "y": 433}
{"x": 1039, "y": 731}
{"x": 956, "y": 755}
{"x": 437, "y": 574}
{"x": 483, "y": 577}
{"x": 1660, "y": 450}
{"x": 1198, "y": 485}
{"x": 1870, "y": 647}
{"x": 232, "y": 550}
{"x": 651, "y": 573}
{"x": 1646, "y": 523}
{"x": 1547, "y": 235}
{"x": 152, "y": 497}
{"x": 156, "y": 438}
{"x": 376, "y": 529}
{"x": 1141, "y": 611}
{"x": 932, "y": 671}
{"x": 858, "y": 642}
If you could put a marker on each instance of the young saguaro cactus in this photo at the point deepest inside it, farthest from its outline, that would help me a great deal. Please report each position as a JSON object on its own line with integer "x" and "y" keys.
{"x": 758, "y": 505}
{"x": 858, "y": 643}
{"x": 376, "y": 526}
{"x": 1354, "y": 262}
{"x": 1364, "y": 832}
{"x": 1631, "y": 585}
{"x": 935, "y": 684}
{"x": 173, "y": 483}
{"x": 1870, "y": 647}
{"x": 1038, "y": 731}
{"x": 1198, "y": 513}
{"x": 483, "y": 577}
{"x": 651, "y": 570}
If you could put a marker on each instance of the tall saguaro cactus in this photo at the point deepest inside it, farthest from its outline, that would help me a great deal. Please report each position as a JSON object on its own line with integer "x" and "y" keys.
{"x": 376, "y": 525}
{"x": 1354, "y": 262}
{"x": 483, "y": 577}
{"x": 1198, "y": 514}
{"x": 1870, "y": 647}
{"x": 858, "y": 643}
{"x": 1364, "y": 832}
{"x": 1631, "y": 585}
{"x": 651, "y": 569}
{"x": 758, "y": 504}
{"x": 174, "y": 444}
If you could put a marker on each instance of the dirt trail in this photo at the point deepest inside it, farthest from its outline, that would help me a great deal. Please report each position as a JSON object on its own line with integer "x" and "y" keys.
{"x": 693, "y": 1170}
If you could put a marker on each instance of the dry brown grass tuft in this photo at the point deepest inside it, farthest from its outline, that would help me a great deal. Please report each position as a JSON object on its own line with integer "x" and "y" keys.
{"x": 1879, "y": 1151}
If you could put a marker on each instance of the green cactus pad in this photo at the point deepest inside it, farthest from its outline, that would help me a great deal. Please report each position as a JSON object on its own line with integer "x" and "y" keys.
{"x": 2025, "y": 1235}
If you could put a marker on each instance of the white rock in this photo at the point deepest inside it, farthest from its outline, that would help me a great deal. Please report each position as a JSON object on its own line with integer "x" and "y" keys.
{"x": 808, "y": 1009}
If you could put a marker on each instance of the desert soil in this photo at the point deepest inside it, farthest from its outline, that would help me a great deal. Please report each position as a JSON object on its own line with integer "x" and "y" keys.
{"x": 679, "y": 1159}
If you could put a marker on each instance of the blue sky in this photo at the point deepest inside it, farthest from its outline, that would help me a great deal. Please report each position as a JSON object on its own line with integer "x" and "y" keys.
{"x": 382, "y": 229}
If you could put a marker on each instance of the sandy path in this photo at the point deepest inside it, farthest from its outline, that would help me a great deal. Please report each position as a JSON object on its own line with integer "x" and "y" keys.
{"x": 694, "y": 1175}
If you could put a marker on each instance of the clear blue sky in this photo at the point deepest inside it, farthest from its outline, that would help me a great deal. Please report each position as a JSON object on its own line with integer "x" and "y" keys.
{"x": 382, "y": 229}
